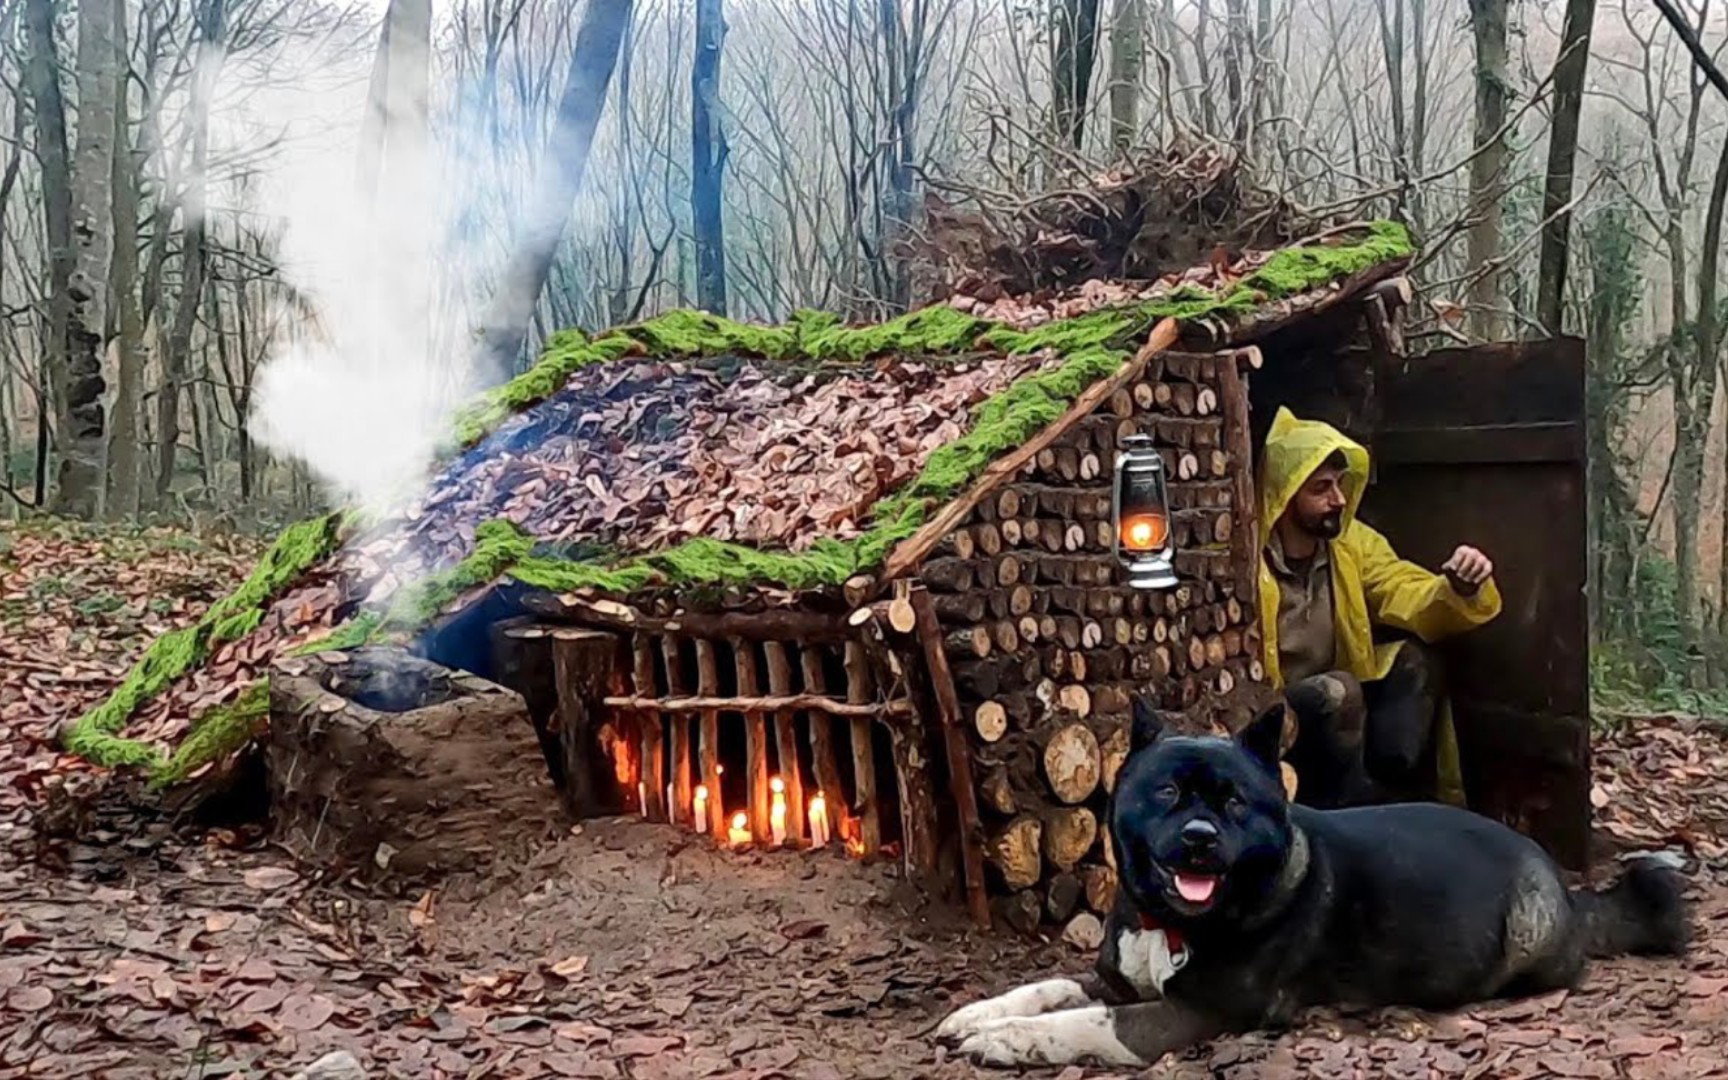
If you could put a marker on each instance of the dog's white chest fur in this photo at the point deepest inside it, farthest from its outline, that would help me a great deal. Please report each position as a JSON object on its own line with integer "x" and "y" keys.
{"x": 1145, "y": 960}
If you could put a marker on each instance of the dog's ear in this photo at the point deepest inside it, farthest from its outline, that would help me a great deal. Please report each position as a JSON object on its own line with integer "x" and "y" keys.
{"x": 1148, "y": 725}
{"x": 1263, "y": 736}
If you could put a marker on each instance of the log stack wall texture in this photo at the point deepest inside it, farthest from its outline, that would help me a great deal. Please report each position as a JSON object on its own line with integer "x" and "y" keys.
{"x": 1049, "y": 645}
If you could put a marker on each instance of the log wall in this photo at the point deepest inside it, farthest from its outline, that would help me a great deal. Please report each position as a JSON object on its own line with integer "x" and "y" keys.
{"x": 1048, "y": 645}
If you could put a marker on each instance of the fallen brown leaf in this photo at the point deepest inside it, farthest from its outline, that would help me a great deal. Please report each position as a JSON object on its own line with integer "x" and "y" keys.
{"x": 270, "y": 878}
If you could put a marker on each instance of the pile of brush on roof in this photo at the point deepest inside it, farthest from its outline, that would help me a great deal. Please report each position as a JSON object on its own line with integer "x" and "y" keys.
{"x": 1158, "y": 218}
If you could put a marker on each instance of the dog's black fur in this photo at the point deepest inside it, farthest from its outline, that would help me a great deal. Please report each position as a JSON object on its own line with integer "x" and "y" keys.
{"x": 1405, "y": 905}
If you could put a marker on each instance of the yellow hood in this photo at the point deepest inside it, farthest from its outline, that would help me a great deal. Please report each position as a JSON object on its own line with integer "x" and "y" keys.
{"x": 1294, "y": 449}
{"x": 1371, "y": 585}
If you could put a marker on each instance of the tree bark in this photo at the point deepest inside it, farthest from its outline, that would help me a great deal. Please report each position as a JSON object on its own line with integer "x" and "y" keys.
{"x": 1487, "y": 168}
{"x": 1075, "y": 38}
{"x": 1127, "y": 56}
{"x": 212, "y": 23}
{"x": 53, "y": 150}
{"x": 123, "y": 446}
{"x": 1569, "y": 72}
{"x": 504, "y": 328}
{"x": 708, "y": 153}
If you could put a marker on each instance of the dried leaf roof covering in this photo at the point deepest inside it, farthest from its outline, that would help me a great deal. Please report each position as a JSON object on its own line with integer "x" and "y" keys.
{"x": 686, "y": 450}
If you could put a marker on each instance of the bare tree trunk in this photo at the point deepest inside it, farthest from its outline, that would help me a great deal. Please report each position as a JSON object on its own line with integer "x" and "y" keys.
{"x": 1488, "y": 167}
{"x": 42, "y": 68}
{"x": 1127, "y": 57}
{"x": 194, "y": 245}
{"x": 1392, "y": 47}
{"x": 1569, "y": 71}
{"x": 123, "y": 446}
{"x": 505, "y": 325}
{"x": 394, "y": 171}
{"x": 1710, "y": 337}
{"x": 1075, "y": 34}
{"x": 708, "y": 158}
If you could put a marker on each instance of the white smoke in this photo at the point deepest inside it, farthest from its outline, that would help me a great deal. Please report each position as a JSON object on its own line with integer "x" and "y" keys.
{"x": 351, "y": 386}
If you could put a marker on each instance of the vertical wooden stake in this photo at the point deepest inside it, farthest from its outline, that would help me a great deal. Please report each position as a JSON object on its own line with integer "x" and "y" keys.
{"x": 822, "y": 744}
{"x": 708, "y": 685}
{"x": 756, "y": 740}
{"x": 683, "y": 797}
{"x": 960, "y": 779}
{"x": 1244, "y": 543}
{"x": 653, "y": 778}
{"x": 859, "y": 692}
{"x": 786, "y": 741}
{"x": 522, "y": 660}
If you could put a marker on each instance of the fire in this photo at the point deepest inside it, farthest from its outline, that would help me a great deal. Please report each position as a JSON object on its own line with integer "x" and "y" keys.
{"x": 699, "y": 812}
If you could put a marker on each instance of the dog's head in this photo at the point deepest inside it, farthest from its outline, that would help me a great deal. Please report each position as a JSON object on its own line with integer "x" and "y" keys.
{"x": 1200, "y": 824}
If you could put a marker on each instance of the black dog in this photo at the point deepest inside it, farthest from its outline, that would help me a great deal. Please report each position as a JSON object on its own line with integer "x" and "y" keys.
{"x": 1236, "y": 910}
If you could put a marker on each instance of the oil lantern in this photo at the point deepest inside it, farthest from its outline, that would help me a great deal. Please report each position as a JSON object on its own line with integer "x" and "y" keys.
{"x": 1140, "y": 512}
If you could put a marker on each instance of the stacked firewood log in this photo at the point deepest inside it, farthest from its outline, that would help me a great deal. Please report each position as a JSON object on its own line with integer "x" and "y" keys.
{"x": 1049, "y": 645}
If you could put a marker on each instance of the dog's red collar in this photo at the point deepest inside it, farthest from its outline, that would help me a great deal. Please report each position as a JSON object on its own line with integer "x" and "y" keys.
{"x": 1173, "y": 940}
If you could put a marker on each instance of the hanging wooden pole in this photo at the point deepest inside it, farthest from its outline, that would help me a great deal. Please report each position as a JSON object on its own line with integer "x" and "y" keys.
{"x": 822, "y": 743}
{"x": 653, "y": 779}
{"x": 708, "y": 685}
{"x": 756, "y": 741}
{"x": 683, "y": 797}
{"x": 859, "y": 692}
{"x": 786, "y": 739}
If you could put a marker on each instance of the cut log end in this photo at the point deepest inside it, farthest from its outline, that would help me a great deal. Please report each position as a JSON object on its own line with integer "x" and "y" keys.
{"x": 1072, "y": 763}
{"x": 991, "y": 720}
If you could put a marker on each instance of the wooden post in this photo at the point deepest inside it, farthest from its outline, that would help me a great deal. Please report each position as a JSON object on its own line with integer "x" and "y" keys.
{"x": 708, "y": 685}
{"x": 756, "y": 741}
{"x": 1244, "y": 540}
{"x": 959, "y": 754}
{"x": 864, "y": 807}
{"x": 584, "y": 665}
{"x": 786, "y": 741}
{"x": 682, "y": 790}
{"x": 653, "y": 778}
{"x": 522, "y": 661}
{"x": 822, "y": 743}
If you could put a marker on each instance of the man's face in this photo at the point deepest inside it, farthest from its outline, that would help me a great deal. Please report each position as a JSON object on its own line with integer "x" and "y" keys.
{"x": 1318, "y": 508}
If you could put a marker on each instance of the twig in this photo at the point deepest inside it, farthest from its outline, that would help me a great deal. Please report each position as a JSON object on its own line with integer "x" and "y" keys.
{"x": 1690, "y": 38}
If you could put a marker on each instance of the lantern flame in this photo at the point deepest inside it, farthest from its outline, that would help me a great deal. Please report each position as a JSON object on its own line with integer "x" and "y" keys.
{"x": 1143, "y": 532}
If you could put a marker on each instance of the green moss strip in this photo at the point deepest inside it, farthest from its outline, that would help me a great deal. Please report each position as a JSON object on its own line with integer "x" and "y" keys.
{"x": 221, "y": 731}
{"x": 94, "y": 735}
{"x": 1093, "y": 347}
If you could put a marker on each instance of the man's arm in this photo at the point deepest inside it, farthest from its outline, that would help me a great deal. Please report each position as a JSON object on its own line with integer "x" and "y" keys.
{"x": 1409, "y": 597}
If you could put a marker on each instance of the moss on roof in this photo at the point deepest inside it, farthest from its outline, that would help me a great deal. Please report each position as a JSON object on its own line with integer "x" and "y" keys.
{"x": 1093, "y": 346}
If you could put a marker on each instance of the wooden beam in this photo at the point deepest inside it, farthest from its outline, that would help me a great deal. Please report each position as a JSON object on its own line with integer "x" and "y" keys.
{"x": 772, "y": 625}
{"x": 653, "y": 749}
{"x": 786, "y": 739}
{"x": 911, "y": 551}
{"x": 1244, "y": 496}
{"x": 708, "y": 686}
{"x": 822, "y": 743}
{"x": 864, "y": 804}
{"x": 960, "y": 779}
{"x": 754, "y": 702}
{"x": 682, "y": 797}
{"x": 755, "y": 736}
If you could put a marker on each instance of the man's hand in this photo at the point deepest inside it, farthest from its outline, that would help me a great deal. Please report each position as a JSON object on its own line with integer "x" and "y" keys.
{"x": 1467, "y": 569}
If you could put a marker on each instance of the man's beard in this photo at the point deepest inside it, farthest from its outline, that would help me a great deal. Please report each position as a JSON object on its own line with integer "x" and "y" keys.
{"x": 1325, "y": 527}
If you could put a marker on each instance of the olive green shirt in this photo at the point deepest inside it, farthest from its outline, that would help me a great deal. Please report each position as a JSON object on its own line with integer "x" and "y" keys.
{"x": 1307, "y": 639}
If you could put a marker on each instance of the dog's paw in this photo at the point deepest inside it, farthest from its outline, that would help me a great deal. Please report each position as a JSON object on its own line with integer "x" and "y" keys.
{"x": 1007, "y": 1042}
{"x": 1061, "y": 1038}
{"x": 1029, "y": 1000}
{"x": 967, "y": 1019}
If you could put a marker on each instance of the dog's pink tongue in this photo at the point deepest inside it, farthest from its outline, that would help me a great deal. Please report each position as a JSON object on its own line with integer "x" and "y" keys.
{"x": 1196, "y": 889}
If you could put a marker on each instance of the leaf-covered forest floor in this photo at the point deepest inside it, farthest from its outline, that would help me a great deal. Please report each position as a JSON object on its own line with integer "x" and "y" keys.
{"x": 628, "y": 950}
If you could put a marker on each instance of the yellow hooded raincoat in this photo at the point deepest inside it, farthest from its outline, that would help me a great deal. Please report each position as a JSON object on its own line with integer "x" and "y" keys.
{"x": 1371, "y": 585}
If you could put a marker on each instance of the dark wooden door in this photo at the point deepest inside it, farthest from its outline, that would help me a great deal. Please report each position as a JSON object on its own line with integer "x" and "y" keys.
{"x": 1486, "y": 446}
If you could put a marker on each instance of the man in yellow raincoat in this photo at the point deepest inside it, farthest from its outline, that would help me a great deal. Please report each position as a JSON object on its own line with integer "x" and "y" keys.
{"x": 1371, "y": 722}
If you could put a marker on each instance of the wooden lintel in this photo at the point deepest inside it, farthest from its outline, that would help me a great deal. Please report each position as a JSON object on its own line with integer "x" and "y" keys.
{"x": 775, "y": 625}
